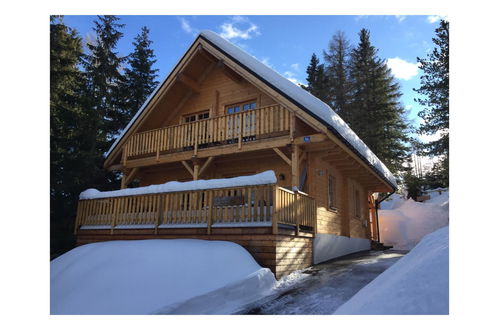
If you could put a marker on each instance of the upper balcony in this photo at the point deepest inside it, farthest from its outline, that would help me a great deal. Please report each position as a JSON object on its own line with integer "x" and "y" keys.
{"x": 234, "y": 130}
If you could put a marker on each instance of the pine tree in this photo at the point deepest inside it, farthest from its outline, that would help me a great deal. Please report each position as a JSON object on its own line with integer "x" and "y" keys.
{"x": 318, "y": 83}
{"x": 140, "y": 77}
{"x": 375, "y": 113}
{"x": 66, "y": 132}
{"x": 105, "y": 81}
{"x": 336, "y": 58}
{"x": 435, "y": 89}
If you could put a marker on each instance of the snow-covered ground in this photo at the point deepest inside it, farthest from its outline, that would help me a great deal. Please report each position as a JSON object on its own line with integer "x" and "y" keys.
{"x": 181, "y": 276}
{"x": 417, "y": 284}
{"x": 403, "y": 223}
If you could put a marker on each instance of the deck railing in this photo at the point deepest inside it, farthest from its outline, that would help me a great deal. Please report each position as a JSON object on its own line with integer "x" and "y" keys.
{"x": 227, "y": 129}
{"x": 260, "y": 205}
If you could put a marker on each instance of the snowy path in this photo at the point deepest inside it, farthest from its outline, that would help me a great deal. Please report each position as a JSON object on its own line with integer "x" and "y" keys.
{"x": 321, "y": 289}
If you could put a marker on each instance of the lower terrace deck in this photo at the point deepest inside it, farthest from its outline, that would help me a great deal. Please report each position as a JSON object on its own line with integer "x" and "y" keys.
{"x": 274, "y": 224}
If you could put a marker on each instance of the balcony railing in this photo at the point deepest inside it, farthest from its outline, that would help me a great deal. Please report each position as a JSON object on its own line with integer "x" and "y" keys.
{"x": 234, "y": 128}
{"x": 248, "y": 206}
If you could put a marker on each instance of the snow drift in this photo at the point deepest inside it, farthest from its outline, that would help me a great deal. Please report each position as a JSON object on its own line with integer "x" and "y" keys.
{"x": 409, "y": 221}
{"x": 156, "y": 276}
{"x": 416, "y": 284}
{"x": 267, "y": 177}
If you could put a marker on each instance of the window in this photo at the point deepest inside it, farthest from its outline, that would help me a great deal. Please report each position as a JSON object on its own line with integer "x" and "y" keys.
{"x": 331, "y": 192}
{"x": 196, "y": 116}
{"x": 245, "y": 106}
{"x": 357, "y": 203}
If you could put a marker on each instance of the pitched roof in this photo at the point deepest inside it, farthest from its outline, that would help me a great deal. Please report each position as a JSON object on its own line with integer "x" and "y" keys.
{"x": 297, "y": 95}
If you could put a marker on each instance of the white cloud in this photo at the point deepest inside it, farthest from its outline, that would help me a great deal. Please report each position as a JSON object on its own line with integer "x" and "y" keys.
{"x": 291, "y": 76}
{"x": 295, "y": 66}
{"x": 266, "y": 61}
{"x": 186, "y": 26}
{"x": 239, "y": 27}
{"x": 400, "y": 18}
{"x": 402, "y": 69}
{"x": 435, "y": 18}
{"x": 359, "y": 17}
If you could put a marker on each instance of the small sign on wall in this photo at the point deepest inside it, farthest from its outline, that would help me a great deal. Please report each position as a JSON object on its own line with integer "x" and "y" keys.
{"x": 306, "y": 139}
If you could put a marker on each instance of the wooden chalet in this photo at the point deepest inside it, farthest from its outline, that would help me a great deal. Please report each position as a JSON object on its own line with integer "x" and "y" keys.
{"x": 221, "y": 113}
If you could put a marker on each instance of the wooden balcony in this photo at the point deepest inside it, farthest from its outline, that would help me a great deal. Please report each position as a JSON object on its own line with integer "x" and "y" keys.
{"x": 231, "y": 129}
{"x": 248, "y": 206}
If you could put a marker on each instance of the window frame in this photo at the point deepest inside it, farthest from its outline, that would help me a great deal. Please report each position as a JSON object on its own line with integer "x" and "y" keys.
{"x": 331, "y": 193}
{"x": 197, "y": 114}
{"x": 357, "y": 207}
{"x": 241, "y": 106}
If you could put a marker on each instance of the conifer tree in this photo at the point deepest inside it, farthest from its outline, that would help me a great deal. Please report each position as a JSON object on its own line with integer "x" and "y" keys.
{"x": 140, "y": 77}
{"x": 435, "y": 91}
{"x": 336, "y": 58}
{"x": 375, "y": 113}
{"x": 318, "y": 83}
{"x": 66, "y": 132}
{"x": 105, "y": 81}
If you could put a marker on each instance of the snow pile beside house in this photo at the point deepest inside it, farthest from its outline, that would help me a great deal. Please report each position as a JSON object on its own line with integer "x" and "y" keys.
{"x": 267, "y": 177}
{"x": 408, "y": 222}
{"x": 416, "y": 284}
{"x": 155, "y": 277}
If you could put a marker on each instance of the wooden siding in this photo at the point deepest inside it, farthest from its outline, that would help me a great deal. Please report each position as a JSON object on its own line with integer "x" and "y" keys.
{"x": 281, "y": 253}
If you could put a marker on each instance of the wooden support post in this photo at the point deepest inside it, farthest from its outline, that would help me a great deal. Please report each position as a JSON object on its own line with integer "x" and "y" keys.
{"x": 124, "y": 179}
{"x": 296, "y": 213}
{"x": 292, "y": 127}
{"x": 161, "y": 211}
{"x": 210, "y": 210}
{"x": 295, "y": 166}
{"x": 276, "y": 210}
{"x": 195, "y": 172}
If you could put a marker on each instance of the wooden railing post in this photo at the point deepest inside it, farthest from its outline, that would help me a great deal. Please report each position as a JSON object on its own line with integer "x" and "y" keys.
{"x": 115, "y": 213}
{"x": 210, "y": 210}
{"x": 276, "y": 210}
{"x": 159, "y": 217}
{"x": 295, "y": 212}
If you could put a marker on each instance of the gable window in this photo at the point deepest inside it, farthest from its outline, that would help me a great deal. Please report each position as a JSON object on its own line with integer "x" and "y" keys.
{"x": 196, "y": 116}
{"x": 242, "y": 106}
{"x": 331, "y": 192}
{"x": 356, "y": 203}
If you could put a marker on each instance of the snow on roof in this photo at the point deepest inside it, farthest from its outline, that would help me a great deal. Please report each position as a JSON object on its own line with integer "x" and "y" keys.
{"x": 315, "y": 107}
{"x": 267, "y": 177}
{"x": 309, "y": 103}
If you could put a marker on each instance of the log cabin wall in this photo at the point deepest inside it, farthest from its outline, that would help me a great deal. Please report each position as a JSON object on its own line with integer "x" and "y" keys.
{"x": 216, "y": 92}
{"x": 328, "y": 220}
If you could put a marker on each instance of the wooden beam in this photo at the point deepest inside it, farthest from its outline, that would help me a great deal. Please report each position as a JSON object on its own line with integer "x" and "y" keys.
{"x": 131, "y": 176}
{"x": 282, "y": 155}
{"x": 188, "y": 82}
{"x": 205, "y": 165}
{"x": 307, "y": 139}
{"x": 187, "y": 167}
{"x": 215, "y": 151}
{"x": 302, "y": 157}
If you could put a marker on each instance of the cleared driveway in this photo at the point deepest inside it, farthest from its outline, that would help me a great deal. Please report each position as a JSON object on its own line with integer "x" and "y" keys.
{"x": 322, "y": 288}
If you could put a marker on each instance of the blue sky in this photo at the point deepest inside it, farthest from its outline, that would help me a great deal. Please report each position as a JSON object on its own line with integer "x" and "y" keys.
{"x": 285, "y": 43}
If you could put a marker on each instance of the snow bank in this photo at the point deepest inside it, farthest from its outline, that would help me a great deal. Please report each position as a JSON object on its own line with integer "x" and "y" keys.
{"x": 404, "y": 226}
{"x": 156, "y": 276}
{"x": 392, "y": 202}
{"x": 267, "y": 177}
{"x": 416, "y": 284}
